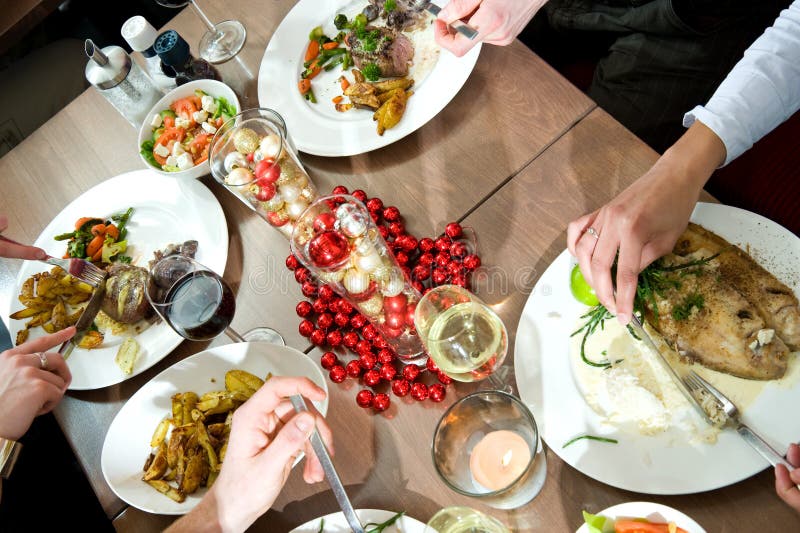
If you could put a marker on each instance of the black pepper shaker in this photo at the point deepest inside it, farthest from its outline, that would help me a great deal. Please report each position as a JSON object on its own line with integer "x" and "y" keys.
{"x": 174, "y": 52}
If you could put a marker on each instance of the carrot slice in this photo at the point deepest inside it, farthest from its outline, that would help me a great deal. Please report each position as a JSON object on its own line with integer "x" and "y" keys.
{"x": 330, "y": 46}
{"x": 94, "y": 245}
{"x": 337, "y": 99}
{"x": 344, "y": 83}
{"x": 315, "y": 69}
{"x": 112, "y": 230}
{"x": 312, "y": 51}
{"x": 99, "y": 229}
{"x": 304, "y": 85}
{"x": 635, "y": 526}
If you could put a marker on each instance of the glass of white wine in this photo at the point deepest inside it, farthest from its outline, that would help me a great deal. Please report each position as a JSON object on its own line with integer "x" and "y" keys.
{"x": 464, "y": 336}
{"x": 463, "y": 520}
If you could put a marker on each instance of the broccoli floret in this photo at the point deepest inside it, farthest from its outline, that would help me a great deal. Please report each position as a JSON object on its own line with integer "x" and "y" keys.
{"x": 371, "y": 71}
{"x": 340, "y": 21}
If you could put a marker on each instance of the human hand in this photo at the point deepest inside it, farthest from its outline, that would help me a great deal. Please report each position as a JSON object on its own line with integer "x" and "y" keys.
{"x": 643, "y": 222}
{"x": 266, "y": 437}
{"x": 786, "y": 482}
{"x": 497, "y": 22}
{"x": 17, "y": 251}
{"x": 27, "y": 387}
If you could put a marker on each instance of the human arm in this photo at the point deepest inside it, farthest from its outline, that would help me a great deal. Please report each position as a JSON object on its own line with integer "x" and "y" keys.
{"x": 786, "y": 482}
{"x": 17, "y": 251}
{"x": 266, "y": 437}
{"x": 497, "y": 22}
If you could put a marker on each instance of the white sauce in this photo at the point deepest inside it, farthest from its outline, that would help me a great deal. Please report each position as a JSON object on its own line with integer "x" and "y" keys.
{"x": 426, "y": 51}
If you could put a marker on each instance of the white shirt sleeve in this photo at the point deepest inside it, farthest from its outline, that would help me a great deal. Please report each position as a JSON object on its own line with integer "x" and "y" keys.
{"x": 760, "y": 92}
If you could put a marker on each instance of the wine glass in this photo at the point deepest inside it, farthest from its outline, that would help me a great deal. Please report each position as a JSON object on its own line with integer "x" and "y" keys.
{"x": 222, "y": 41}
{"x": 464, "y": 336}
{"x": 457, "y": 519}
{"x": 197, "y": 303}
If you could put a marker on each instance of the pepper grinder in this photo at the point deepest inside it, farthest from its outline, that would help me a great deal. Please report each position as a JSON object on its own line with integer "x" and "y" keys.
{"x": 121, "y": 81}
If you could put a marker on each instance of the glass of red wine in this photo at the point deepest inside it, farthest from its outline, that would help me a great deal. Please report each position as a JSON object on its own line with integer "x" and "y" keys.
{"x": 197, "y": 303}
{"x": 222, "y": 41}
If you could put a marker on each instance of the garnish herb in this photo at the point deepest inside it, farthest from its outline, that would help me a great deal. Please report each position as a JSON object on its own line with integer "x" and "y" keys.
{"x": 389, "y": 5}
{"x": 378, "y": 528}
{"x": 684, "y": 310}
{"x": 597, "y": 315}
{"x": 321, "y": 525}
{"x": 147, "y": 152}
{"x": 371, "y": 71}
{"x": 589, "y": 437}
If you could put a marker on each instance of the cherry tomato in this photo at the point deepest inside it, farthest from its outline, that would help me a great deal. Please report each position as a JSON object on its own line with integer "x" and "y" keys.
{"x": 581, "y": 290}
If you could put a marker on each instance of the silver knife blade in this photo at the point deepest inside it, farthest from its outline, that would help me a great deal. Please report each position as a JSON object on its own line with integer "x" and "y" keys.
{"x": 674, "y": 374}
{"x": 299, "y": 404}
{"x": 464, "y": 29}
{"x": 85, "y": 320}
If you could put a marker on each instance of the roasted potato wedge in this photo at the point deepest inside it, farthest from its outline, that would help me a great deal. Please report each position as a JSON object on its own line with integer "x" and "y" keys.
{"x": 242, "y": 381}
{"x": 92, "y": 339}
{"x": 158, "y": 466}
{"x": 165, "y": 488}
{"x": 160, "y": 433}
{"x": 389, "y": 85}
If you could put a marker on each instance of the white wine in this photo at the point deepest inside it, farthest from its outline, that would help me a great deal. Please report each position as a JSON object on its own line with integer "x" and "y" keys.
{"x": 463, "y": 520}
{"x": 467, "y": 341}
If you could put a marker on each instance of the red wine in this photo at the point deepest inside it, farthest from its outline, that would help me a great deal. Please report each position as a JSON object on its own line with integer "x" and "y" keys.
{"x": 201, "y": 306}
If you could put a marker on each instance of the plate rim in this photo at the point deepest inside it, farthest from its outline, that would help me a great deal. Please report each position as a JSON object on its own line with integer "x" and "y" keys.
{"x": 620, "y": 509}
{"x": 415, "y": 522}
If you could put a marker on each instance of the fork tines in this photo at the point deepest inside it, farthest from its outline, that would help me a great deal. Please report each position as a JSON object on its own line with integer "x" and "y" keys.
{"x": 86, "y": 271}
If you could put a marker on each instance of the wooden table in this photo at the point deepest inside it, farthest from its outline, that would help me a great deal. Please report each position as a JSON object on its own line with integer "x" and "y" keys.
{"x": 517, "y": 154}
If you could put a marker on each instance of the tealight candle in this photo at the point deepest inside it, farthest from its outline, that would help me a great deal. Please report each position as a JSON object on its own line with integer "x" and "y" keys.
{"x": 499, "y": 459}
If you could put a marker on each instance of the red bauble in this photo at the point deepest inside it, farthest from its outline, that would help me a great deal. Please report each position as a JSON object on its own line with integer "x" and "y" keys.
{"x": 410, "y": 315}
{"x": 439, "y": 275}
{"x": 350, "y": 339}
{"x": 334, "y": 338}
{"x": 436, "y": 392}
{"x": 325, "y": 320}
{"x": 292, "y": 262}
{"x": 410, "y": 243}
{"x": 384, "y": 231}
{"x": 426, "y": 259}
{"x": 395, "y": 320}
{"x": 375, "y": 216}
{"x": 328, "y": 248}
{"x": 411, "y": 372}
{"x": 385, "y": 356}
{"x": 309, "y": 289}
{"x": 418, "y": 286}
{"x": 420, "y": 272}
{"x": 454, "y": 269}
{"x": 430, "y": 365}
{"x": 472, "y": 262}
{"x": 358, "y": 321}
{"x": 367, "y": 360}
{"x": 395, "y": 304}
{"x": 392, "y": 333}
{"x": 328, "y": 360}
{"x": 339, "y": 189}
{"x": 426, "y": 244}
{"x": 337, "y": 374}
{"x": 319, "y": 306}
{"x": 301, "y": 274}
{"x": 359, "y": 195}
{"x": 364, "y": 398}
{"x": 266, "y": 191}
{"x": 419, "y": 391}
{"x": 353, "y": 368}
{"x": 402, "y": 257}
{"x": 267, "y": 171}
{"x": 453, "y": 230}
{"x": 304, "y": 309}
{"x": 381, "y": 402}
{"x": 341, "y": 319}
{"x": 277, "y": 218}
{"x": 401, "y": 387}
{"x": 396, "y": 228}
{"x": 375, "y": 204}
{"x": 443, "y": 244}
{"x": 372, "y": 378}
{"x": 306, "y": 328}
{"x": 363, "y": 346}
{"x": 326, "y": 293}
{"x": 458, "y": 249}
{"x": 345, "y": 307}
{"x": 388, "y": 372}
{"x": 318, "y": 337}
{"x": 369, "y": 332}
{"x": 391, "y": 214}
{"x": 334, "y": 303}
{"x": 324, "y": 222}
{"x": 444, "y": 378}
{"x": 380, "y": 343}
{"x": 459, "y": 280}
{"x": 443, "y": 259}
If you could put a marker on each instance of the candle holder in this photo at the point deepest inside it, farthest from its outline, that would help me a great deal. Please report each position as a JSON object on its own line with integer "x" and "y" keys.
{"x": 337, "y": 240}
{"x": 490, "y": 437}
{"x": 252, "y": 156}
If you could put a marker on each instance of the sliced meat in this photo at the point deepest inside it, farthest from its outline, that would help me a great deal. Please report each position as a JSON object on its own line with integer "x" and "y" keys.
{"x": 126, "y": 299}
{"x": 392, "y": 52}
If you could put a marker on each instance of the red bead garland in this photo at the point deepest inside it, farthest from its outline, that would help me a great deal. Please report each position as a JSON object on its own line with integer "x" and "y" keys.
{"x": 330, "y": 320}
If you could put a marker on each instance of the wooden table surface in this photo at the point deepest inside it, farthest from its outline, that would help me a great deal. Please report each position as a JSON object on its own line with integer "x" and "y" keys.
{"x": 517, "y": 154}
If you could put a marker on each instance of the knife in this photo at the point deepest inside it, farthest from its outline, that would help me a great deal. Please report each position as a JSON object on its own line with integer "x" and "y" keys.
{"x": 674, "y": 374}
{"x": 86, "y": 319}
{"x": 324, "y": 457}
{"x": 464, "y": 29}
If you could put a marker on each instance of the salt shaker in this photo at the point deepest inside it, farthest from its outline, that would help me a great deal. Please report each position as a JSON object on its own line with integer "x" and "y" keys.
{"x": 140, "y": 36}
{"x": 121, "y": 81}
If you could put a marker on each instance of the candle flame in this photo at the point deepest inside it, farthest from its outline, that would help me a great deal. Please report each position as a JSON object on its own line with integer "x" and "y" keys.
{"x": 506, "y": 458}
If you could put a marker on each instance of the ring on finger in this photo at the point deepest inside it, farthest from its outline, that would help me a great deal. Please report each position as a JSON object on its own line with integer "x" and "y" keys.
{"x": 42, "y": 360}
{"x": 593, "y": 232}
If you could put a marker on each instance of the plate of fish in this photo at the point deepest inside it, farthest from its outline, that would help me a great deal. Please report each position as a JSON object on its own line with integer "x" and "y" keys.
{"x": 164, "y": 214}
{"x": 353, "y": 76}
{"x": 724, "y": 304}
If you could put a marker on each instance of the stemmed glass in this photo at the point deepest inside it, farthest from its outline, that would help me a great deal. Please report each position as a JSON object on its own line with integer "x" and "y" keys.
{"x": 197, "y": 303}
{"x": 222, "y": 41}
{"x": 464, "y": 336}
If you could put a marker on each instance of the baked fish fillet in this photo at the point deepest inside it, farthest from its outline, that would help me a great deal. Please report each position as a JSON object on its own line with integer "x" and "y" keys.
{"x": 776, "y": 303}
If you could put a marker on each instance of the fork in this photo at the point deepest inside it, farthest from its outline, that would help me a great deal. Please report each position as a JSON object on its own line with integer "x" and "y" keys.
{"x": 79, "y": 268}
{"x": 697, "y": 383}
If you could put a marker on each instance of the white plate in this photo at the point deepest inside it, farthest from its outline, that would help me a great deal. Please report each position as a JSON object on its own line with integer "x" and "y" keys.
{"x": 127, "y": 442}
{"x": 336, "y": 522}
{"x": 165, "y": 211}
{"x": 662, "y": 464}
{"x": 318, "y": 128}
{"x": 654, "y": 512}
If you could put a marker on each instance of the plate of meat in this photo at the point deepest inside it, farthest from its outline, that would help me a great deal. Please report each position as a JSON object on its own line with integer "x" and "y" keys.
{"x": 164, "y": 214}
{"x": 332, "y": 66}
{"x": 724, "y": 304}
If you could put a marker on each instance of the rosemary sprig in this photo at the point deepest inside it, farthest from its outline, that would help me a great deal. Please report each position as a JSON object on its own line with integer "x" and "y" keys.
{"x": 383, "y": 525}
{"x": 597, "y": 315}
{"x": 321, "y": 525}
{"x": 589, "y": 437}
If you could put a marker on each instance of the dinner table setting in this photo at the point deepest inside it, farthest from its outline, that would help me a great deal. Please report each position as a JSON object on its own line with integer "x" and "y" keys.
{"x": 275, "y": 200}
